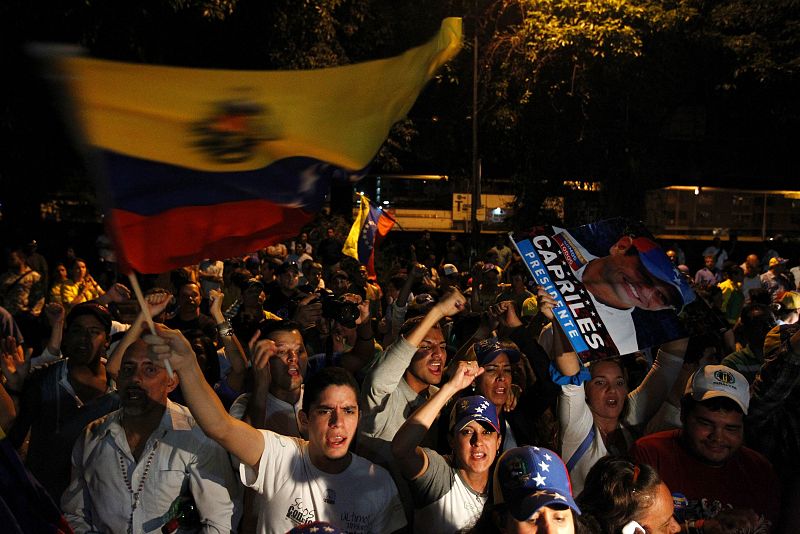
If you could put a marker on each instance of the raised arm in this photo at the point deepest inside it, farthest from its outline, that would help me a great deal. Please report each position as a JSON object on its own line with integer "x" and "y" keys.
{"x": 406, "y": 443}
{"x": 55, "y": 314}
{"x": 116, "y": 293}
{"x": 416, "y": 274}
{"x": 8, "y": 411}
{"x": 654, "y": 390}
{"x": 450, "y": 305}
{"x": 566, "y": 362}
{"x": 156, "y": 302}
{"x": 261, "y": 351}
{"x": 15, "y": 363}
{"x": 233, "y": 348}
{"x": 363, "y": 351}
{"x": 237, "y": 437}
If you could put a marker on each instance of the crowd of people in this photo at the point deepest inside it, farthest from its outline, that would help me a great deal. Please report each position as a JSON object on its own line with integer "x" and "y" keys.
{"x": 290, "y": 390}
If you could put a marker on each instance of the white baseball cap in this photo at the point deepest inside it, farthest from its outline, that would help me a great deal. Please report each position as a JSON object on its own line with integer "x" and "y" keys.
{"x": 719, "y": 381}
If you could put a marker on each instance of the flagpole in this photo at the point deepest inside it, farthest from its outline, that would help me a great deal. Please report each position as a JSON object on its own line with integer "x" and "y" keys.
{"x": 146, "y": 311}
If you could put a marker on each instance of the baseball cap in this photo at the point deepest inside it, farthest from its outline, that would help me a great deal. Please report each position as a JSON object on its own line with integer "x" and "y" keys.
{"x": 254, "y": 283}
{"x": 529, "y": 478}
{"x": 790, "y": 300}
{"x": 530, "y": 307}
{"x": 778, "y": 337}
{"x": 99, "y": 311}
{"x": 659, "y": 265}
{"x": 719, "y": 381}
{"x": 777, "y": 261}
{"x": 340, "y": 274}
{"x": 474, "y": 408}
{"x": 488, "y": 349}
{"x": 287, "y": 266}
{"x": 449, "y": 268}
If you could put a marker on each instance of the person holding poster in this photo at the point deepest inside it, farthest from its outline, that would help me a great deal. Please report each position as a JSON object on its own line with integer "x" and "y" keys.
{"x": 598, "y": 414}
{"x": 616, "y": 290}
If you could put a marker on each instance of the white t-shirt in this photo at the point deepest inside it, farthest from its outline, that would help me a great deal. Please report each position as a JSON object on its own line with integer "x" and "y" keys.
{"x": 443, "y": 502}
{"x": 361, "y": 499}
{"x": 619, "y": 323}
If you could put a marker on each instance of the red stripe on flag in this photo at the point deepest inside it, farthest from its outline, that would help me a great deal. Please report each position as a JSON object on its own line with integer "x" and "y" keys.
{"x": 184, "y": 236}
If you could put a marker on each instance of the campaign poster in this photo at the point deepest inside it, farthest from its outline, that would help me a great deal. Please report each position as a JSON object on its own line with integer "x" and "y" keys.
{"x": 616, "y": 290}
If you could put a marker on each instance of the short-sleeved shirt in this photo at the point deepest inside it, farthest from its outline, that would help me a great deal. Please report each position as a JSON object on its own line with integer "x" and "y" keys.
{"x": 747, "y": 479}
{"x": 443, "y": 502}
{"x": 361, "y": 499}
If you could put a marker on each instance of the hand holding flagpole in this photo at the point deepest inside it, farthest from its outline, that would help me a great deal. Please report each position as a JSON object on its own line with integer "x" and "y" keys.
{"x": 146, "y": 311}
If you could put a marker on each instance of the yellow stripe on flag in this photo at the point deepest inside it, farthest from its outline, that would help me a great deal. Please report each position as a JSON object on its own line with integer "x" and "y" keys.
{"x": 340, "y": 115}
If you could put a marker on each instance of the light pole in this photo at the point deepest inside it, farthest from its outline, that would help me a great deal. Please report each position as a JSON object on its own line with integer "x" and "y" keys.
{"x": 476, "y": 162}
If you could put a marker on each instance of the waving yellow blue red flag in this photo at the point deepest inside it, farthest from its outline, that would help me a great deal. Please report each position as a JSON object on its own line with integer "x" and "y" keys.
{"x": 370, "y": 227}
{"x": 212, "y": 163}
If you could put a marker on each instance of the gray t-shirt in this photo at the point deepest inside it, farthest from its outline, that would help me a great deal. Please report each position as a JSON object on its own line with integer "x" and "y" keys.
{"x": 443, "y": 501}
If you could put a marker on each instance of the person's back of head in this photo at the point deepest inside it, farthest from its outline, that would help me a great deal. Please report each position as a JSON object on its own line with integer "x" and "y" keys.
{"x": 615, "y": 493}
{"x": 180, "y": 277}
{"x": 398, "y": 281}
{"x": 756, "y": 321}
{"x": 240, "y": 277}
{"x": 733, "y": 272}
{"x": 760, "y": 296}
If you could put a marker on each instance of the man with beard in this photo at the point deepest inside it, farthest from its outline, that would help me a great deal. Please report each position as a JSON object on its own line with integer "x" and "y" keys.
{"x": 59, "y": 400}
{"x": 137, "y": 468}
{"x": 298, "y": 481}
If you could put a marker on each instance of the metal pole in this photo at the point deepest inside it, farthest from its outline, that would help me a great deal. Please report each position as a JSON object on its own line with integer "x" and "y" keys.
{"x": 476, "y": 173}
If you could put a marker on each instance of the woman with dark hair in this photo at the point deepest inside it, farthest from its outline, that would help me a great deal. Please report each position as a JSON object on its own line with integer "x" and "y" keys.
{"x": 80, "y": 275}
{"x": 516, "y": 379}
{"x": 620, "y": 497}
{"x": 598, "y": 413}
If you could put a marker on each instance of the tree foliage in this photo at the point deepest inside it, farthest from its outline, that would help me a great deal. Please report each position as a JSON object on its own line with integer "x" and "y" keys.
{"x": 632, "y": 94}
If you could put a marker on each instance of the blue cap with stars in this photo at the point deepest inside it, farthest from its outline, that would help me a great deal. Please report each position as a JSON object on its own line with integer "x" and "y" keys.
{"x": 317, "y": 527}
{"x": 529, "y": 478}
{"x": 474, "y": 408}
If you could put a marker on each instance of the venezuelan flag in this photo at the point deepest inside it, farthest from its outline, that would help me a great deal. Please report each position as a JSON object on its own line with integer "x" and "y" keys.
{"x": 370, "y": 227}
{"x": 212, "y": 163}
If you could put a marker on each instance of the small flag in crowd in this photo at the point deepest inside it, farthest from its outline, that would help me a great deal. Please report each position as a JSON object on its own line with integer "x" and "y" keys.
{"x": 199, "y": 163}
{"x": 370, "y": 227}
